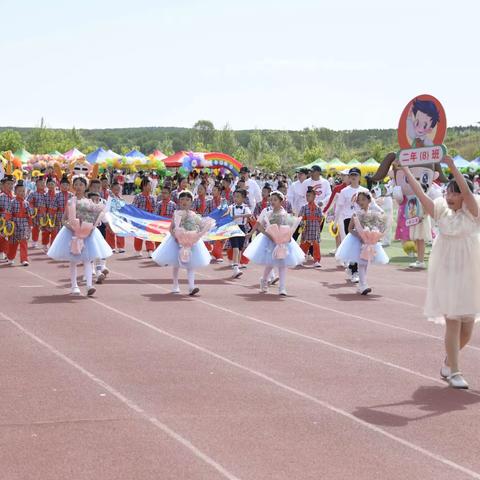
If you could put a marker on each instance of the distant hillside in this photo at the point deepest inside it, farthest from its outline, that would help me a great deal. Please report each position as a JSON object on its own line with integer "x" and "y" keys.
{"x": 271, "y": 149}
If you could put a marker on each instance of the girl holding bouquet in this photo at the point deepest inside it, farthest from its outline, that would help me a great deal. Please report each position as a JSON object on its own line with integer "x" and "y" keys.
{"x": 183, "y": 247}
{"x": 79, "y": 241}
{"x": 361, "y": 245}
{"x": 274, "y": 246}
{"x": 453, "y": 275}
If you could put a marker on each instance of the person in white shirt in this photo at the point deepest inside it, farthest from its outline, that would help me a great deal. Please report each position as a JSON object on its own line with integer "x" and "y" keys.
{"x": 345, "y": 208}
{"x": 241, "y": 214}
{"x": 254, "y": 192}
{"x": 297, "y": 192}
{"x": 320, "y": 185}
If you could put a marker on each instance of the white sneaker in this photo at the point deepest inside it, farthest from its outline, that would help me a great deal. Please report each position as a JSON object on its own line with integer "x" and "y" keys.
{"x": 100, "y": 278}
{"x": 3, "y": 256}
{"x": 149, "y": 254}
{"x": 273, "y": 280}
{"x": 317, "y": 265}
{"x": 348, "y": 274}
{"x": 283, "y": 292}
{"x": 236, "y": 273}
{"x": 363, "y": 289}
{"x": 417, "y": 264}
{"x": 91, "y": 291}
{"x": 35, "y": 245}
{"x": 11, "y": 262}
{"x": 75, "y": 291}
{"x": 121, "y": 250}
{"x": 445, "y": 371}
{"x": 24, "y": 263}
{"x": 105, "y": 271}
{"x": 263, "y": 286}
{"x": 219, "y": 260}
{"x": 456, "y": 380}
{"x": 355, "y": 277}
{"x": 176, "y": 289}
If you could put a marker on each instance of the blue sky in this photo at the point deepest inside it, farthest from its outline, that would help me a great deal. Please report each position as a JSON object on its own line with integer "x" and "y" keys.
{"x": 340, "y": 64}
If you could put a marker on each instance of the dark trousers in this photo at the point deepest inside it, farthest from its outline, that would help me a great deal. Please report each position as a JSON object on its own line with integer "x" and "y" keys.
{"x": 352, "y": 266}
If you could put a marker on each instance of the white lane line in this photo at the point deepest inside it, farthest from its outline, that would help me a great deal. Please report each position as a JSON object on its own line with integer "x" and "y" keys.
{"x": 126, "y": 401}
{"x": 30, "y": 286}
{"x": 279, "y": 328}
{"x": 329, "y": 309}
{"x": 299, "y": 393}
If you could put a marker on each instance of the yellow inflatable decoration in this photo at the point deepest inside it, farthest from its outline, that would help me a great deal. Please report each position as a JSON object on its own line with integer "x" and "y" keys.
{"x": 18, "y": 174}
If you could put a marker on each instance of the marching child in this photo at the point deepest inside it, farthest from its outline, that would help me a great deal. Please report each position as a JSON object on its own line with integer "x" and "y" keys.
{"x": 20, "y": 214}
{"x": 6, "y": 196}
{"x": 79, "y": 241}
{"x": 183, "y": 247}
{"x": 116, "y": 243}
{"x": 241, "y": 214}
{"x": 49, "y": 228}
{"x": 38, "y": 203}
{"x": 212, "y": 204}
{"x": 144, "y": 201}
{"x": 265, "y": 249}
{"x": 453, "y": 274}
{"x": 361, "y": 245}
{"x": 312, "y": 219}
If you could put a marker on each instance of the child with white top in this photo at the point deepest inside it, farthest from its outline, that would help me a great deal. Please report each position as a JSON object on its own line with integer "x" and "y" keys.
{"x": 241, "y": 214}
{"x": 345, "y": 208}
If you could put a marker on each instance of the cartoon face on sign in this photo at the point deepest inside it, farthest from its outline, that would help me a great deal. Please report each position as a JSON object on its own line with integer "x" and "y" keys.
{"x": 422, "y": 124}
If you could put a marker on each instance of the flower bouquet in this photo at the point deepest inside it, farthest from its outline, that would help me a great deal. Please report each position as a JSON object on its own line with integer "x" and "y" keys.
{"x": 189, "y": 229}
{"x": 370, "y": 227}
{"x": 280, "y": 229}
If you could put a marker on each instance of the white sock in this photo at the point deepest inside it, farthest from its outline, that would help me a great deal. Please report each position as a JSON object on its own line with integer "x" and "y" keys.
{"x": 175, "y": 271}
{"x": 267, "y": 272}
{"x": 282, "y": 275}
{"x": 73, "y": 275}
{"x": 87, "y": 266}
{"x": 362, "y": 273}
{"x": 191, "y": 279}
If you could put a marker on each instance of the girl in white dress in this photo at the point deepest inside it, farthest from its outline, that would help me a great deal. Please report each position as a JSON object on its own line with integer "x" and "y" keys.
{"x": 454, "y": 269}
{"x": 185, "y": 220}
{"x": 262, "y": 251}
{"x": 71, "y": 246}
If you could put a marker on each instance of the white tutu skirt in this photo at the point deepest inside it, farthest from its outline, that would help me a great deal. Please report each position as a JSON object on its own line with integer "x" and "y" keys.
{"x": 167, "y": 254}
{"x": 349, "y": 251}
{"x": 260, "y": 251}
{"x": 94, "y": 247}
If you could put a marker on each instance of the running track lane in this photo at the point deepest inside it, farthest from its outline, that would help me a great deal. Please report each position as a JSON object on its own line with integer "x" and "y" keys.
{"x": 286, "y": 452}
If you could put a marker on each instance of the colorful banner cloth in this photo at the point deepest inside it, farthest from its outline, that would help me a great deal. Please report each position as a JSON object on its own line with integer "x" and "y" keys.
{"x": 125, "y": 220}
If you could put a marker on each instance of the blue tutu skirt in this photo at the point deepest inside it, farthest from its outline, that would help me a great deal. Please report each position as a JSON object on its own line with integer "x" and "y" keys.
{"x": 167, "y": 254}
{"x": 349, "y": 251}
{"x": 94, "y": 247}
{"x": 260, "y": 251}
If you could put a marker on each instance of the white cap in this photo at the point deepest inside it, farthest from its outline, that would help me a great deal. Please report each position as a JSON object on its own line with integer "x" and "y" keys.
{"x": 344, "y": 172}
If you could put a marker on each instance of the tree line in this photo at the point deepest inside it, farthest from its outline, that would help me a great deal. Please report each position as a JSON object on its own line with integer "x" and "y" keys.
{"x": 272, "y": 150}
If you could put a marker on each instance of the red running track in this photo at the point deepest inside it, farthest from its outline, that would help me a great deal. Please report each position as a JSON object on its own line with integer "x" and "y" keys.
{"x": 137, "y": 383}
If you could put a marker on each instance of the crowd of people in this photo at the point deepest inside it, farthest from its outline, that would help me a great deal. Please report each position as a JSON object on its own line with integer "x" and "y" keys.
{"x": 281, "y": 220}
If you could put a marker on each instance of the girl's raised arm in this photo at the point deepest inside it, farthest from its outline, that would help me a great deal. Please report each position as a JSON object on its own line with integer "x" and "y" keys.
{"x": 468, "y": 196}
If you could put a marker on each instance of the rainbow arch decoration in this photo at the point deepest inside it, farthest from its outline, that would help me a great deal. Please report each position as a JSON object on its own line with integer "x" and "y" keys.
{"x": 222, "y": 160}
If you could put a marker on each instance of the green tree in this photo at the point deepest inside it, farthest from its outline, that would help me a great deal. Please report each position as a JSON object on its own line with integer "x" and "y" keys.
{"x": 205, "y": 131}
{"x": 225, "y": 140}
{"x": 10, "y": 140}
